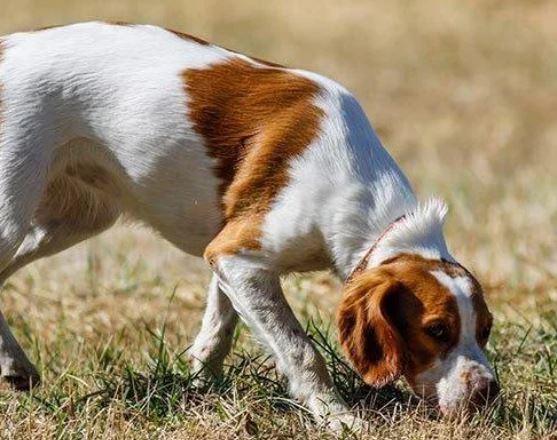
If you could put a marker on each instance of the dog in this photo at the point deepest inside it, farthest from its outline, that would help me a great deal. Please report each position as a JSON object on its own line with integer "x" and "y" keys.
{"x": 261, "y": 169}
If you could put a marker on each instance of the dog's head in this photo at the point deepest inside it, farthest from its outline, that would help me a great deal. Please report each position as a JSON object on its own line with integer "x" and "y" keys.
{"x": 425, "y": 320}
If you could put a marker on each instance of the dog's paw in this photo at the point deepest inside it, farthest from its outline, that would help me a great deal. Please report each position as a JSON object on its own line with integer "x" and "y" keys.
{"x": 333, "y": 413}
{"x": 202, "y": 379}
{"x": 347, "y": 423}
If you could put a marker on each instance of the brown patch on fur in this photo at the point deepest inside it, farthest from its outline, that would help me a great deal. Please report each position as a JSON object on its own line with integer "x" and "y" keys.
{"x": 254, "y": 120}
{"x": 257, "y": 60}
{"x": 484, "y": 317}
{"x": 119, "y": 23}
{"x": 46, "y": 28}
{"x": 265, "y": 62}
{"x": 198, "y": 40}
{"x": 381, "y": 348}
{"x": 367, "y": 331}
{"x": 189, "y": 37}
{"x": 237, "y": 234}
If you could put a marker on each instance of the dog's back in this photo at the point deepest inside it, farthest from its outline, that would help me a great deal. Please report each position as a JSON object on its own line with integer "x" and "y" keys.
{"x": 185, "y": 136}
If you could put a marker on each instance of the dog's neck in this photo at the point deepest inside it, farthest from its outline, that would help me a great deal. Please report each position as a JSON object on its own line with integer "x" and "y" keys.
{"x": 419, "y": 232}
{"x": 394, "y": 228}
{"x": 367, "y": 192}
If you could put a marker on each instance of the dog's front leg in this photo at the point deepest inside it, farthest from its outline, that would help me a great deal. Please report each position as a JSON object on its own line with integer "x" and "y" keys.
{"x": 256, "y": 294}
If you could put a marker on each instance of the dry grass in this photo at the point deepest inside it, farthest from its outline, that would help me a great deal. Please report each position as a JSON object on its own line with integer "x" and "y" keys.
{"x": 463, "y": 93}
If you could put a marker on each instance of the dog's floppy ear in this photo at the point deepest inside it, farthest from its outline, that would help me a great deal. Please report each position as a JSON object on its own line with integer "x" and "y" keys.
{"x": 367, "y": 331}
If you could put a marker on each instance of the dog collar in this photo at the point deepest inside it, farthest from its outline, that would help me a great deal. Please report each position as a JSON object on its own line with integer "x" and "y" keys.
{"x": 362, "y": 264}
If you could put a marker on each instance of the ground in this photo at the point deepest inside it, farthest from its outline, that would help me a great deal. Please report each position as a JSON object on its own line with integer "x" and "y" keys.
{"x": 464, "y": 95}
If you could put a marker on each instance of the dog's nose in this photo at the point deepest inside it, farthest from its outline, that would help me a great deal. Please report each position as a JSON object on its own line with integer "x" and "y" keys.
{"x": 485, "y": 393}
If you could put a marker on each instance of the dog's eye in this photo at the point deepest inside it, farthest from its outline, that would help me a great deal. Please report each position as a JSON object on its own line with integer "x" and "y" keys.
{"x": 438, "y": 331}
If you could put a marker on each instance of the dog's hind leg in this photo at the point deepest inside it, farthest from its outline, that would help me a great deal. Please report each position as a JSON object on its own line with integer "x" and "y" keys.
{"x": 22, "y": 180}
{"x": 214, "y": 340}
{"x": 23, "y": 173}
{"x": 69, "y": 212}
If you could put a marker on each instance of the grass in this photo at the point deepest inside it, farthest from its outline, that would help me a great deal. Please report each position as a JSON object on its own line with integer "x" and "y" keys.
{"x": 463, "y": 94}
{"x": 155, "y": 397}
{"x": 129, "y": 378}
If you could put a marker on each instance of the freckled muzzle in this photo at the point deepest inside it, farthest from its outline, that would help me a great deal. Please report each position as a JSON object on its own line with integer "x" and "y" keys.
{"x": 457, "y": 386}
{"x": 471, "y": 387}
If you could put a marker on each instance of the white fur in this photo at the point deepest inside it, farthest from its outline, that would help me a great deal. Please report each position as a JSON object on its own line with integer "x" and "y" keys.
{"x": 419, "y": 232}
{"x": 113, "y": 97}
{"x": 215, "y": 336}
{"x": 125, "y": 96}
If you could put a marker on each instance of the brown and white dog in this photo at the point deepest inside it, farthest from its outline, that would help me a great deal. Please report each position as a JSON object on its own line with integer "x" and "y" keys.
{"x": 261, "y": 169}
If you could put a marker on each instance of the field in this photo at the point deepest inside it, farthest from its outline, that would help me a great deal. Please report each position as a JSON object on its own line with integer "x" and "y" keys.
{"x": 464, "y": 95}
